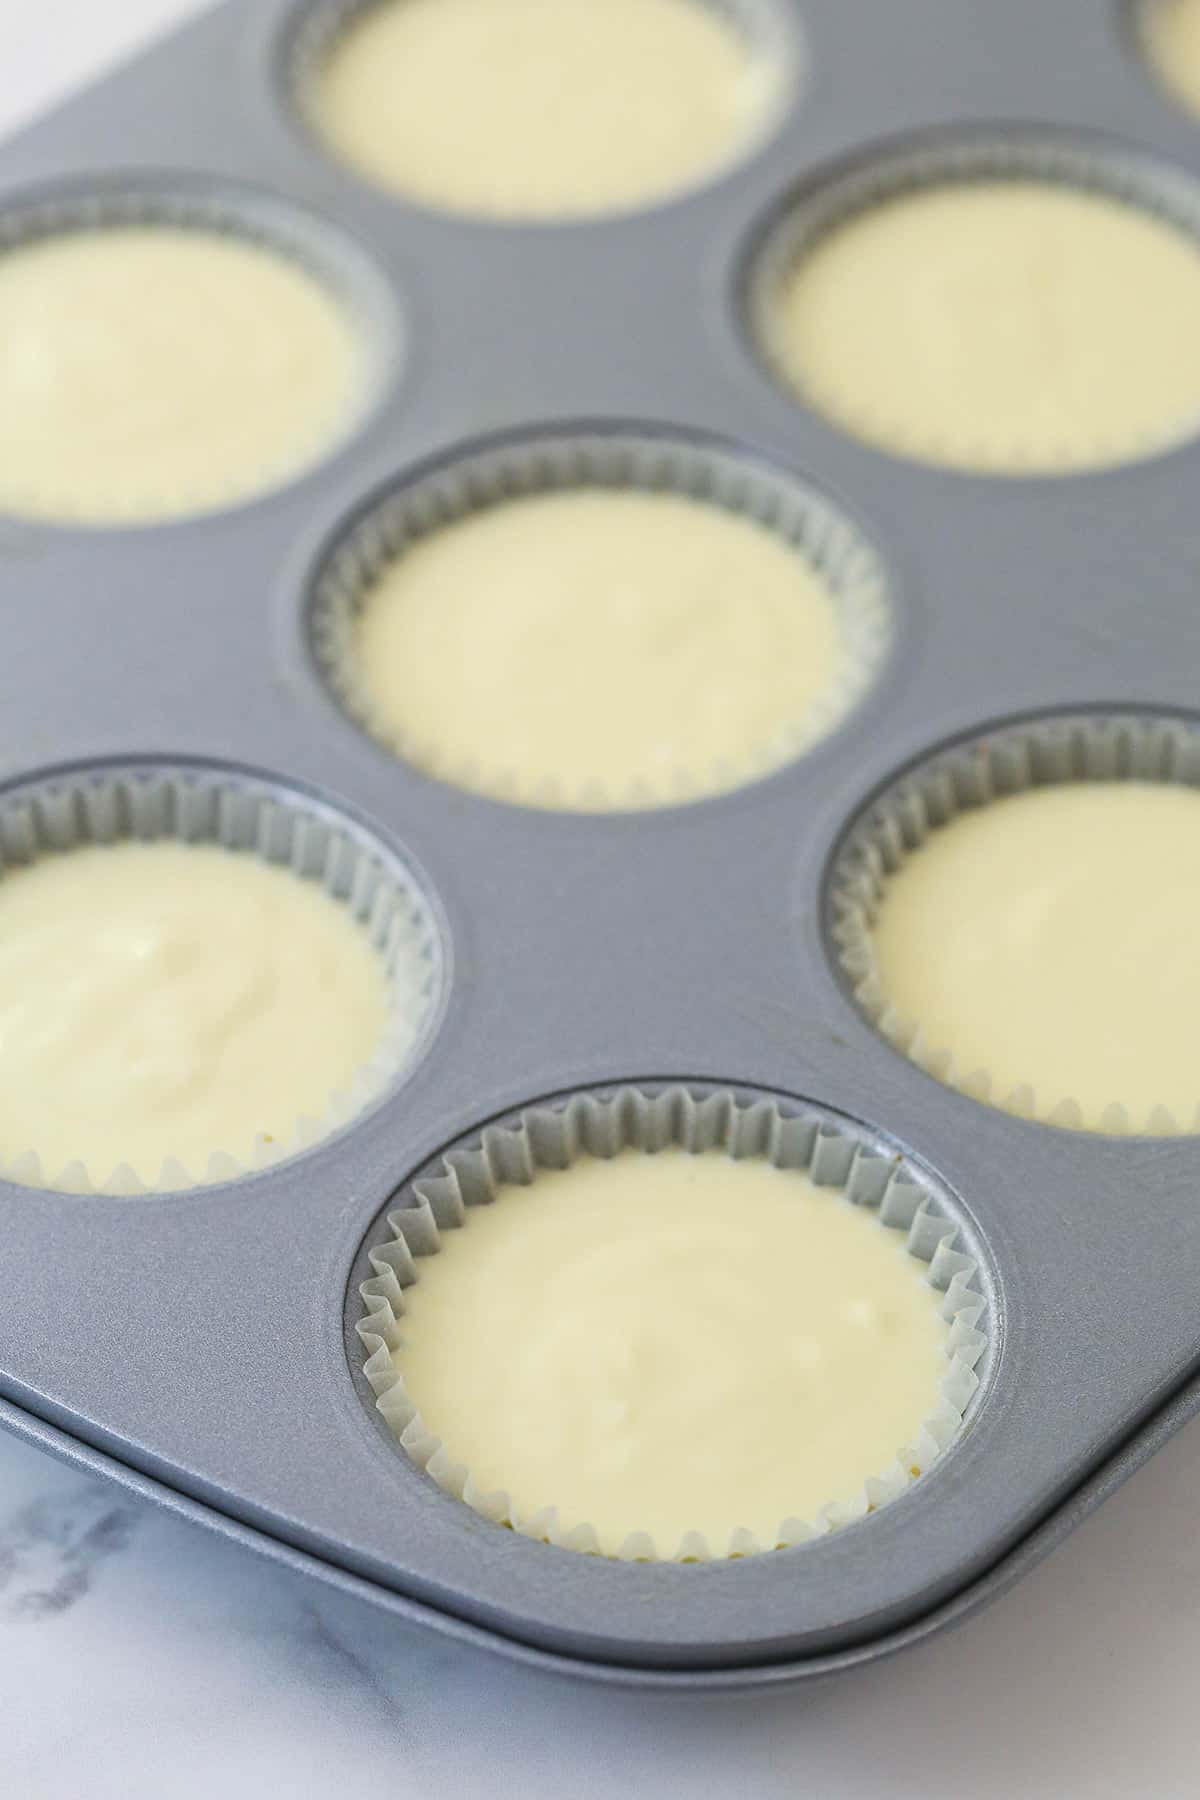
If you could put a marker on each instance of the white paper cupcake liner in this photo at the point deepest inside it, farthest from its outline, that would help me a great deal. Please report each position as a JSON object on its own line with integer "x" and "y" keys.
{"x": 279, "y": 826}
{"x": 1130, "y": 178}
{"x": 259, "y": 220}
{"x": 1039, "y": 754}
{"x": 827, "y": 542}
{"x": 552, "y": 1137}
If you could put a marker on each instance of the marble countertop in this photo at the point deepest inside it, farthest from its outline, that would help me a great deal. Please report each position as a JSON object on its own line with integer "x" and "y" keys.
{"x": 144, "y": 1659}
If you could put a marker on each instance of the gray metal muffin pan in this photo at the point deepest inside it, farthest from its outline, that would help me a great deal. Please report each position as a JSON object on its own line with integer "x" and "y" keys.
{"x": 193, "y": 1345}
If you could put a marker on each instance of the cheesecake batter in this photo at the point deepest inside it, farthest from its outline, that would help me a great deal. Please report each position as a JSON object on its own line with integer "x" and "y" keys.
{"x": 672, "y": 1343}
{"x": 1050, "y": 940}
{"x": 1170, "y": 31}
{"x": 165, "y": 1000}
{"x": 541, "y": 107}
{"x": 1005, "y": 325}
{"x": 152, "y": 371}
{"x": 612, "y": 643}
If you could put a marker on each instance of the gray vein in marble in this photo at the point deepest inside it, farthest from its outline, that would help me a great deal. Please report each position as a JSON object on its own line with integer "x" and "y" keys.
{"x": 339, "y": 1650}
{"x": 52, "y": 1547}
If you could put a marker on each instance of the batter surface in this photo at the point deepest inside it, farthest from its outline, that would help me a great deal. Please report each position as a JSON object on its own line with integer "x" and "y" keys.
{"x": 541, "y": 107}
{"x": 1050, "y": 939}
{"x": 598, "y": 639}
{"x": 160, "y": 1000}
{"x": 998, "y": 325}
{"x": 671, "y": 1343}
{"x": 1171, "y": 34}
{"x": 152, "y": 371}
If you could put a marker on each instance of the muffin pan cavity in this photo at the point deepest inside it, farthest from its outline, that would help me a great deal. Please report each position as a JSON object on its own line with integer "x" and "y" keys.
{"x": 877, "y": 1353}
{"x": 185, "y": 995}
{"x": 562, "y": 112}
{"x": 685, "y": 941}
{"x": 1043, "y": 962}
{"x": 115, "y": 409}
{"x": 490, "y": 618}
{"x": 1007, "y": 304}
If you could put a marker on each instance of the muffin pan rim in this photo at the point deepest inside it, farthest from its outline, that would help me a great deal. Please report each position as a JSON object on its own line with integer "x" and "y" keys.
{"x": 1024, "y": 1556}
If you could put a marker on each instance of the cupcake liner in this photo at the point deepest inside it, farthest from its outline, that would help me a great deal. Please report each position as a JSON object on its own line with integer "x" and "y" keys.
{"x": 262, "y": 222}
{"x": 1039, "y": 754}
{"x": 553, "y": 1136}
{"x": 318, "y": 27}
{"x": 1130, "y": 178}
{"x": 280, "y": 827}
{"x": 830, "y": 545}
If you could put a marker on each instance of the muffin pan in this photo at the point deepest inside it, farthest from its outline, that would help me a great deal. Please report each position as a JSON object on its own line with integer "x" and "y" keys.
{"x": 201, "y": 1345}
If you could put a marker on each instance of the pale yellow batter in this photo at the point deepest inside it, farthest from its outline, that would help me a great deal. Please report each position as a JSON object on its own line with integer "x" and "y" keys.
{"x": 1050, "y": 940}
{"x": 1170, "y": 31}
{"x": 168, "y": 1001}
{"x": 541, "y": 107}
{"x": 628, "y": 648}
{"x": 152, "y": 371}
{"x": 673, "y": 1343}
{"x": 1002, "y": 325}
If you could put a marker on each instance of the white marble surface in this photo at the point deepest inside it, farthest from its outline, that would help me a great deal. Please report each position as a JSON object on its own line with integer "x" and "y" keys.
{"x": 142, "y": 1659}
